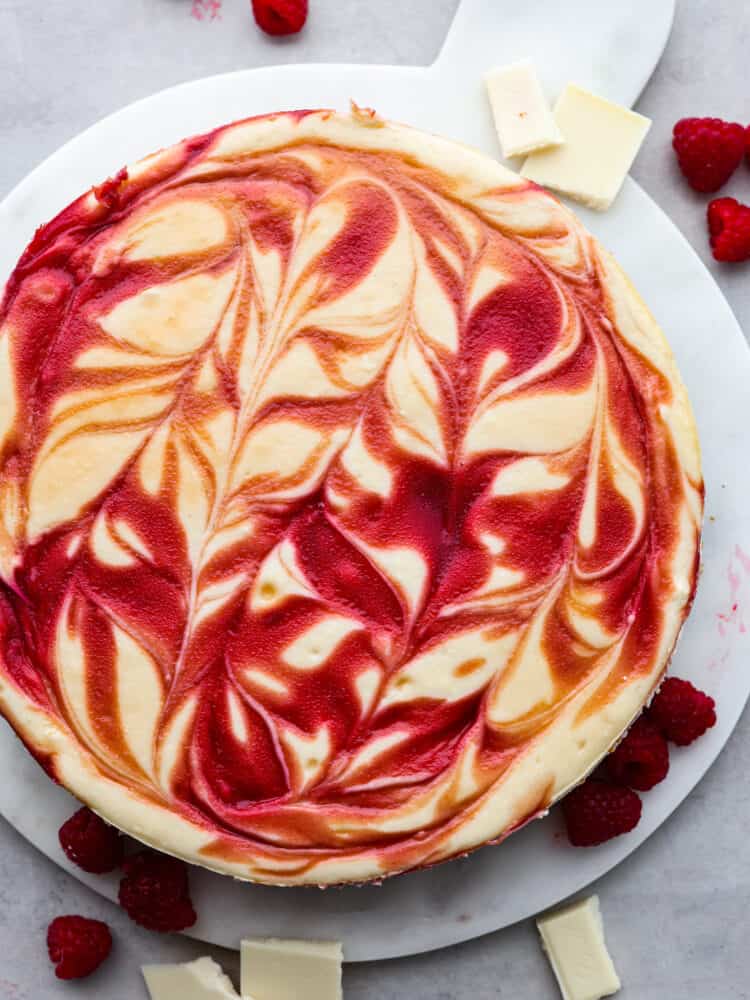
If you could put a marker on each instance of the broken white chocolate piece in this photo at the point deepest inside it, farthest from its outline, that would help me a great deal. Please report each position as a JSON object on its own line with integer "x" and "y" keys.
{"x": 601, "y": 142}
{"x": 523, "y": 118}
{"x": 573, "y": 939}
{"x": 202, "y": 979}
{"x": 289, "y": 970}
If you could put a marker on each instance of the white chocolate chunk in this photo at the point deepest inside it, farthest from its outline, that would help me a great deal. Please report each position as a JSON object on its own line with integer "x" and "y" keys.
{"x": 601, "y": 141}
{"x": 573, "y": 939}
{"x": 523, "y": 118}
{"x": 199, "y": 980}
{"x": 291, "y": 970}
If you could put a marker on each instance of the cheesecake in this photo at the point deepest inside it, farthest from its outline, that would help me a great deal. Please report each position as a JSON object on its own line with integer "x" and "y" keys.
{"x": 350, "y": 500}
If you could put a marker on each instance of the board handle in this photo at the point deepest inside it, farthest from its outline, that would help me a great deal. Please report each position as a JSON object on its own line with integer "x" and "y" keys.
{"x": 611, "y": 48}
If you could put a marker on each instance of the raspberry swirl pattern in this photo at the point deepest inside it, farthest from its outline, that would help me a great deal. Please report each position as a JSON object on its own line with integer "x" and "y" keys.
{"x": 350, "y": 499}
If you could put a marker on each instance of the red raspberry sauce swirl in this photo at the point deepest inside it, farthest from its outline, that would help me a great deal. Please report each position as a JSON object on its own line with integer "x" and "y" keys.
{"x": 349, "y": 499}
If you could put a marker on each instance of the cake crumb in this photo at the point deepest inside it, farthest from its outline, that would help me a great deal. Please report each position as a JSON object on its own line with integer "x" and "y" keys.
{"x": 366, "y": 116}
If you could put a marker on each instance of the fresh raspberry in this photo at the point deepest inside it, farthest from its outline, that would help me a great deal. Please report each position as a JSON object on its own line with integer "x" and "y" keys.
{"x": 155, "y": 892}
{"x": 280, "y": 17}
{"x": 708, "y": 150}
{"x": 597, "y": 811}
{"x": 681, "y": 711}
{"x": 77, "y": 946}
{"x": 642, "y": 759}
{"x": 747, "y": 143}
{"x": 91, "y": 843}
{"x": 729, "y": 226}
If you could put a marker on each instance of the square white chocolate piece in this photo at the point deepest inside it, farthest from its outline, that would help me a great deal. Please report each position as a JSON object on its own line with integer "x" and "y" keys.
{"x": 291, "y": 970}
{"x": 523, "y": 117}
{"x": 199, "y": 980}
{"x": 601, "y": 140}
{"x": 573, "y": 939}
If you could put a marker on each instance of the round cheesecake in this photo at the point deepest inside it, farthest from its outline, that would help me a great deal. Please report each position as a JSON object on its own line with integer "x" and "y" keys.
{"x": 350, "y": 500}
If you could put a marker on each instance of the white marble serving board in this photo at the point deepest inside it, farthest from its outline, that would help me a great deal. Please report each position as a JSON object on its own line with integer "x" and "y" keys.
{"x": 611, "y": 48}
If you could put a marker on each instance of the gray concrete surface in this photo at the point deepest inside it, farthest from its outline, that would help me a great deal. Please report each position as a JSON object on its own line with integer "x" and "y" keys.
{"x": 676, "y": 911}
